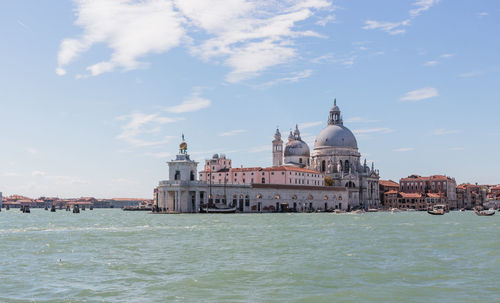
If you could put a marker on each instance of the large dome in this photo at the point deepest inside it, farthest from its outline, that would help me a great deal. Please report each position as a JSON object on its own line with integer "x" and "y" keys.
{"x": 336, "y": 135}
{"x": 297, "y": 148}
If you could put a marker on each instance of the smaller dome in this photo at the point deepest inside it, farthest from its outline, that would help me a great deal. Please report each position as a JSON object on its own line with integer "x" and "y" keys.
{"x": 297, "y": 148}
{"x": 215, "y": 156}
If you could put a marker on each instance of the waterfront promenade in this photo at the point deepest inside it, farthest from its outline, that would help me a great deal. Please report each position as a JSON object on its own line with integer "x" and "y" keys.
{"x": 115, "y": 256}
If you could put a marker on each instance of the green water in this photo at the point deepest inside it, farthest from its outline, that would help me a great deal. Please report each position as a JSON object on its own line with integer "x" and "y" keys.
{"x": 116, "y": 256}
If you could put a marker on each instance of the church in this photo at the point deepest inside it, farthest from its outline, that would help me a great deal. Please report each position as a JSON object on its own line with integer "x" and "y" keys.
{"x": 331, "y": 177}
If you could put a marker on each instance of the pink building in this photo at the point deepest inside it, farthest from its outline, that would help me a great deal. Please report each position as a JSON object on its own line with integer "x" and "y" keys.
{"x": 218, "y": 170}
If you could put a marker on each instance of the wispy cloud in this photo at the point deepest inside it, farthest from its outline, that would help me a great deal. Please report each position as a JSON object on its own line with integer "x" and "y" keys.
{"x": 232, "y": 132}
{"x": 139, "y": 124}
{"x": 292, "y": 78}
{"x": 247, "y": 36}
{"x": 422, "y": 6}
{"x": 431, "y": 63}
{"x": 395, "y": 28}
{"x": 443, "y": 131}
{"x": 23, "y": 25}
{"x": 420, "y": 94}
{"x": 447, "y": 56}
{"x": 193, "y": 103}
{"x": 471, "y": 74}
{"x": 482, "y": 14}
{"x": 403, "y": 149}
{"x": 305, "y": 125}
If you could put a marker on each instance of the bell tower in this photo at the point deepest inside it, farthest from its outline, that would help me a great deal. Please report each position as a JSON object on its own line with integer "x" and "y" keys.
{"x": 335, "y": 118}
{"x": 277, "y": 149}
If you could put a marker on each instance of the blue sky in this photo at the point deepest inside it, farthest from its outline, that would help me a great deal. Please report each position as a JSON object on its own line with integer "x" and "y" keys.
{"x": 95, "y": 94}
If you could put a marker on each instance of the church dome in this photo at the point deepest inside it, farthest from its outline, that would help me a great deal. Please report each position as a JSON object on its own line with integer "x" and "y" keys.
{"x": 296, "y": 148}
{"x": 336, "y": 135}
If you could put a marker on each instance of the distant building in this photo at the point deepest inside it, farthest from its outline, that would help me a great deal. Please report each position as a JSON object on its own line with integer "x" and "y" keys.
{"x": 470, "y": 195}
{"x": 384, "y": 187}
{"x": 1, "y": 200}
{"x": 438, "y": 184}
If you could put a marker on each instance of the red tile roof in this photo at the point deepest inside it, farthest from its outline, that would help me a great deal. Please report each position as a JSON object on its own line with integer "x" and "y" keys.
{"x": 388, "y": 183}
{"x": 390, "y": 192}
{"x": 433, "y": 195}
{"x": 410, "y": 195}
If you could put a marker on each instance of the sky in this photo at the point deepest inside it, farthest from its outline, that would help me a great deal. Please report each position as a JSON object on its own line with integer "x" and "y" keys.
{"x": 95, "y": 94}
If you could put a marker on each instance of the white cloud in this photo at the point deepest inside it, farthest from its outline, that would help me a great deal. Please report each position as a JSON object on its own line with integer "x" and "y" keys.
{"x": 305, "y": 125}
{"x": 232, "y": 132}
{"x": 130, "y": 29}
{"x": 395, "y": 28}
{"x": 443, "y": 131}
{"x": 422, "y": 6}
{"x": 249, "y": 36}
{"x": 381, "y": 130}
{"x": 420, "y": 94}
{"x": 482, "y": 14}
{"x": 140, "y": 124}
{"x": 325, "y": 20}
{"x": 447, "y": 56}
{"x": 193, "y": 103}
{"x": 403, "y": 149}
{"x": 293, "y": 78}
{"x": 431, "y": 63}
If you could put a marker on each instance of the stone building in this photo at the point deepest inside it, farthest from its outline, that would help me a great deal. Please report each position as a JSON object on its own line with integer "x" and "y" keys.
{"x": 336, "y": 155}
{"x": 470, "y": 196}
{"x": 295, "y": 180}
{"x": 438, "y": 184}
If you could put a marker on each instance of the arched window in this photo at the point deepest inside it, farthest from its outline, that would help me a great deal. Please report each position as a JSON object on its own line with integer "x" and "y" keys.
{"x": 300, "y": 160}
{"x": 191, "y": 176}
{"x": 177, "y": 175}
{"x": 263, "y": 180}
{"x": 294, "y": 197}
{"x": 346, "y": 166}
{"x": 323, "y": 166}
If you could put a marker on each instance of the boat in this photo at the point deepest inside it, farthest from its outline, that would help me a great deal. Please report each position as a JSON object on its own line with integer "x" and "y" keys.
{"x": 372, "y": 210}
{"x": 137, "y": 208}
{"x": 53, "y": 209}
{"x": 489, "y": 212}
{"x": 76, "y": 209}
{"x": 395, "y": 210}
{"x": 339, "y": 211}
{"x": 26, "y": 209}
{"x": 216, "y": 210}
{"x": 437, "y": 210}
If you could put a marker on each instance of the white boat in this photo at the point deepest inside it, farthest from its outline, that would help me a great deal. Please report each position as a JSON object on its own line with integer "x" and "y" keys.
{"x": 215, "y": 210}
{"x": 438, "y": 209}
{"x": 489, "y": 212}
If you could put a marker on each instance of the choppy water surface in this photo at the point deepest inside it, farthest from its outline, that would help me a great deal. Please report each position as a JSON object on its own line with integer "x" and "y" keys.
{"x": 117, "y": 256}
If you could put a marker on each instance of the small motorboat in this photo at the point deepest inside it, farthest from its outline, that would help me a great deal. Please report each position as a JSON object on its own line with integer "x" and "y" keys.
{"x": 76, "y": 209}
{"x": 372, "y": 210}
{"x": 437, "y": 210}
{"x": 26, "y": 210}
{"x": 53, "y": 208}
{"x": 215, "y": 210}
{"x": 489, "y": 212}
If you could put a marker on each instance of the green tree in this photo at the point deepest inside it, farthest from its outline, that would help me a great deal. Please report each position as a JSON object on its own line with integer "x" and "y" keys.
{"x": 328, "y": 181}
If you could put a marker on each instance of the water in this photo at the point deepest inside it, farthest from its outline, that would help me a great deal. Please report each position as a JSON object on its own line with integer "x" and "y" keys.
{"x": 116, "y": 256}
